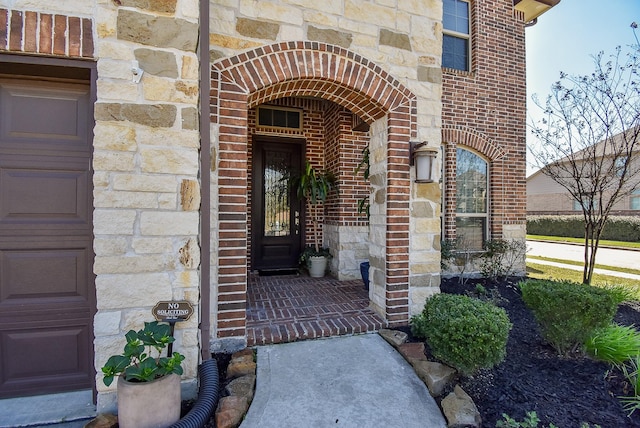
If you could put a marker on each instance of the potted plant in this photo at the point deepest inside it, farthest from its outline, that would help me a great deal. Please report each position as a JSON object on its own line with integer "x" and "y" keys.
{"x": 148, "y": 385}
{"x": 314, "y": 187}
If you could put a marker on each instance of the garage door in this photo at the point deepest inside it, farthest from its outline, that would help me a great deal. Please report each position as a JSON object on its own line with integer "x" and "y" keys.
{"x": 46, "y": 280}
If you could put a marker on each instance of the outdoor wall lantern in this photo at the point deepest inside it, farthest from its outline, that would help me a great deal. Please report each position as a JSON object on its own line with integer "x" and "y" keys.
{"x": 423, "y": 158}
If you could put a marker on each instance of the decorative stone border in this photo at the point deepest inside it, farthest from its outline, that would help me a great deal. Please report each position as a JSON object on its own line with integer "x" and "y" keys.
{"x": 457, "y": 407}
{"x": 241, "y": 373}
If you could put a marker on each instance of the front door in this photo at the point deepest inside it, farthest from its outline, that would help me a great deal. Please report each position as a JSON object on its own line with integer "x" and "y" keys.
{"x": 46, "y": 246}
{"x": 276, "y": 211}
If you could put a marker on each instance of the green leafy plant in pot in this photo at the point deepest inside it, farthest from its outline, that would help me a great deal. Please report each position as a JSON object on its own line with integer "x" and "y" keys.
{"x": 314, "y": 187}
{"x": 148, "y": 384}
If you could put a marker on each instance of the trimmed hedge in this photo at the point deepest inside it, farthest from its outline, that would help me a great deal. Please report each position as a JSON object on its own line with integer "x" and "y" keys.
{"x": 618, "y": 228}
{"x": 465, "y": 333}
{"x": 568, "y": 313}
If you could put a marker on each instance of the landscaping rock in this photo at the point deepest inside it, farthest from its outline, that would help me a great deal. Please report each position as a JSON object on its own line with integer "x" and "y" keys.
{"x": 103, "y": 420}
{"x": 460, "y": 410}
{"x": 435, "y": 375}
{"x": 242, "y": 387}
{"x": 230, "y": 411}
{"x": 412, "y": 351}
{"x": 246, "y": 352}
{"x": 240, "y": 367}
{"x": 394, "y": 337}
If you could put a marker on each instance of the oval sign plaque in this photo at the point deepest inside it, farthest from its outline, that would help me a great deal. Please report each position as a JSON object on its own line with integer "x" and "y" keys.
{"x": 172, "y": 311}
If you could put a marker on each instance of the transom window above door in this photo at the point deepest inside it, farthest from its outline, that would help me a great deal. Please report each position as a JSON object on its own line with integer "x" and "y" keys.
{"x": 280, "y": 118}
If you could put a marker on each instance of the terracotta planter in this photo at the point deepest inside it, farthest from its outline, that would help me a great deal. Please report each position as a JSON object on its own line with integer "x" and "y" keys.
{"x": 317, "y": 266}
{"x": 153, "y": 404}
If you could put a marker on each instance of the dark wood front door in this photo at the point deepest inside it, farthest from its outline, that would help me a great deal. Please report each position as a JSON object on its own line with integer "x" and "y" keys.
{"x": 277, "y": 216}
{"x": 46, "y": 251}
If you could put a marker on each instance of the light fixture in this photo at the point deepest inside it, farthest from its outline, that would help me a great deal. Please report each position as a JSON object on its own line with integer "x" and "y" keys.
{"x": 423, "y": 158}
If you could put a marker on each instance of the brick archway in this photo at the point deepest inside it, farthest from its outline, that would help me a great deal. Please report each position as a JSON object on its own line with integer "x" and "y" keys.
{"x": 315, "y": 70}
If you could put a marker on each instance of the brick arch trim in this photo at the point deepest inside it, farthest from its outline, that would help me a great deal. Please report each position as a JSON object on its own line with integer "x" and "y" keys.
{"x": 310, "y": 69}
{"x": 472, "y": 139}
{"x": 46, "y": 34}
{"x": 304, "y": 68}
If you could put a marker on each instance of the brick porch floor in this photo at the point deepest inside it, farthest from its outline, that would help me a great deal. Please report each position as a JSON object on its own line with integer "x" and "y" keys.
{"x": 296, "y": 307}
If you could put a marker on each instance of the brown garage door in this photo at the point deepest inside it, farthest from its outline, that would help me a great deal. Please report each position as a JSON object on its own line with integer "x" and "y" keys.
{"x": 46, "y": 279}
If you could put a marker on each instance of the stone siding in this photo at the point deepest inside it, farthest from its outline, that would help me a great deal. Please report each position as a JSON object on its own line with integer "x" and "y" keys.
{"x": 146, "y": 184}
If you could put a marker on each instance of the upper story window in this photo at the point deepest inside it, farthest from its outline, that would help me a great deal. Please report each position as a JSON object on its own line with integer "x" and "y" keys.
{"x": 472, "y": 183}
{"x": 456, "y": 40}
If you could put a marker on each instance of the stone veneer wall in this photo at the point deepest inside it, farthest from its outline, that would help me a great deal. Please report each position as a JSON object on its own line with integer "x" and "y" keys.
{"x": 146, "y": 162}
{"x": 398, "y": 37}
{"x": 146, "y": 155}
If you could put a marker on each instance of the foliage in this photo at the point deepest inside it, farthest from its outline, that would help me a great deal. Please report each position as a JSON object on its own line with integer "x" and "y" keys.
{"x": 618, "y": 228}
{"x": 501, "y": 257}
{"x": 548, "y": 272}
{"x": 568, "y": 313}
{"x": 491, "y": 295}
{"x": 531, "y": 420}
{"x": 314, "y": 187}
{"x": 630, "y": 370}
{"x": 310, "y": 251}
{"x": 137, "y": 362}
{"x": 459, "y": 254}
{"x": 589, "y": 138}
{"x": 364, "y": 205}
{"x": 466, "y": 333}
{"x": 614, "y": 343}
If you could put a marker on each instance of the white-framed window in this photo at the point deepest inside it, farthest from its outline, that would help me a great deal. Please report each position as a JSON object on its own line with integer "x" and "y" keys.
{"x": 634, "y": 202}
{"x": 472, "y": 198}
{"x": 456, "y": 37}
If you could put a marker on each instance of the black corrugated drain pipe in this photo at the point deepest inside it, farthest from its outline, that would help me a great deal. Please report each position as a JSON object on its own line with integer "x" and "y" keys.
{"x": 207, "y": 400}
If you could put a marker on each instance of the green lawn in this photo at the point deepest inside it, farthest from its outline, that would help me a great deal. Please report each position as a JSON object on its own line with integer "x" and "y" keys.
{"x": 575, "y": 263}
{"x": 540, "y": 271}
{"x": 621, "y": 244}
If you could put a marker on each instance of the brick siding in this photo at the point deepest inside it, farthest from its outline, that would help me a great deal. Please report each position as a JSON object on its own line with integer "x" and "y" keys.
{"x": 45, "y": 33}
{"x": 484, "y": 110}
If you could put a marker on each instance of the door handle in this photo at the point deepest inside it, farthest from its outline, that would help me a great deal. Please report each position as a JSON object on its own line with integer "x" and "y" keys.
{"x": 296, "y": 216}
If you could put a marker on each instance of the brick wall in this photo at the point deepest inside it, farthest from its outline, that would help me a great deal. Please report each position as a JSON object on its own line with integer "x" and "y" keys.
{"x": 34, "y": 32}
{"x": 484, "y": 110}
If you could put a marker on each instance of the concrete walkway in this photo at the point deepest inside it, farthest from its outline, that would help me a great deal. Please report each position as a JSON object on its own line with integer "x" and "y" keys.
{"x": 349, "y": 381}
{"x": 75, "y": 409}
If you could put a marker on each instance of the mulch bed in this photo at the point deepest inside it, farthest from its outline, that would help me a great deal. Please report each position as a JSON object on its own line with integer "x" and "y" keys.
{"x": 565, "y": 391}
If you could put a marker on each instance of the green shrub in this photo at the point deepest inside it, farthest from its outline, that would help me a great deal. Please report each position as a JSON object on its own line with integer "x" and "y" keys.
{"x": 631, "y": 371}
{"x": 617, "y": 228}
{"x": 568, "y": 313}
{"x": 466, "y": 333}
{"x": 614, "y": 343}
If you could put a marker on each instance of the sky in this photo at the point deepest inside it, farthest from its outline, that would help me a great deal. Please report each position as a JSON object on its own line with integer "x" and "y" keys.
{"x": 568, "y": 36}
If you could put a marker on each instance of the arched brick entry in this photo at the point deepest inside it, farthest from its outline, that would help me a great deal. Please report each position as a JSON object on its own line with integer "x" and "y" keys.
{"x": 317, "y": 70}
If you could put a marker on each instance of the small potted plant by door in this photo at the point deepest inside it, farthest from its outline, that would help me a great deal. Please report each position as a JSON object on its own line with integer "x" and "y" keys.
{"x": 149, "y": 384}
{"x": 314, "y": 187}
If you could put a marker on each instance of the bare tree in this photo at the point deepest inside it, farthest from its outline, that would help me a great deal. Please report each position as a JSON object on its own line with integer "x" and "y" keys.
{"x": 589, "y": 140}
